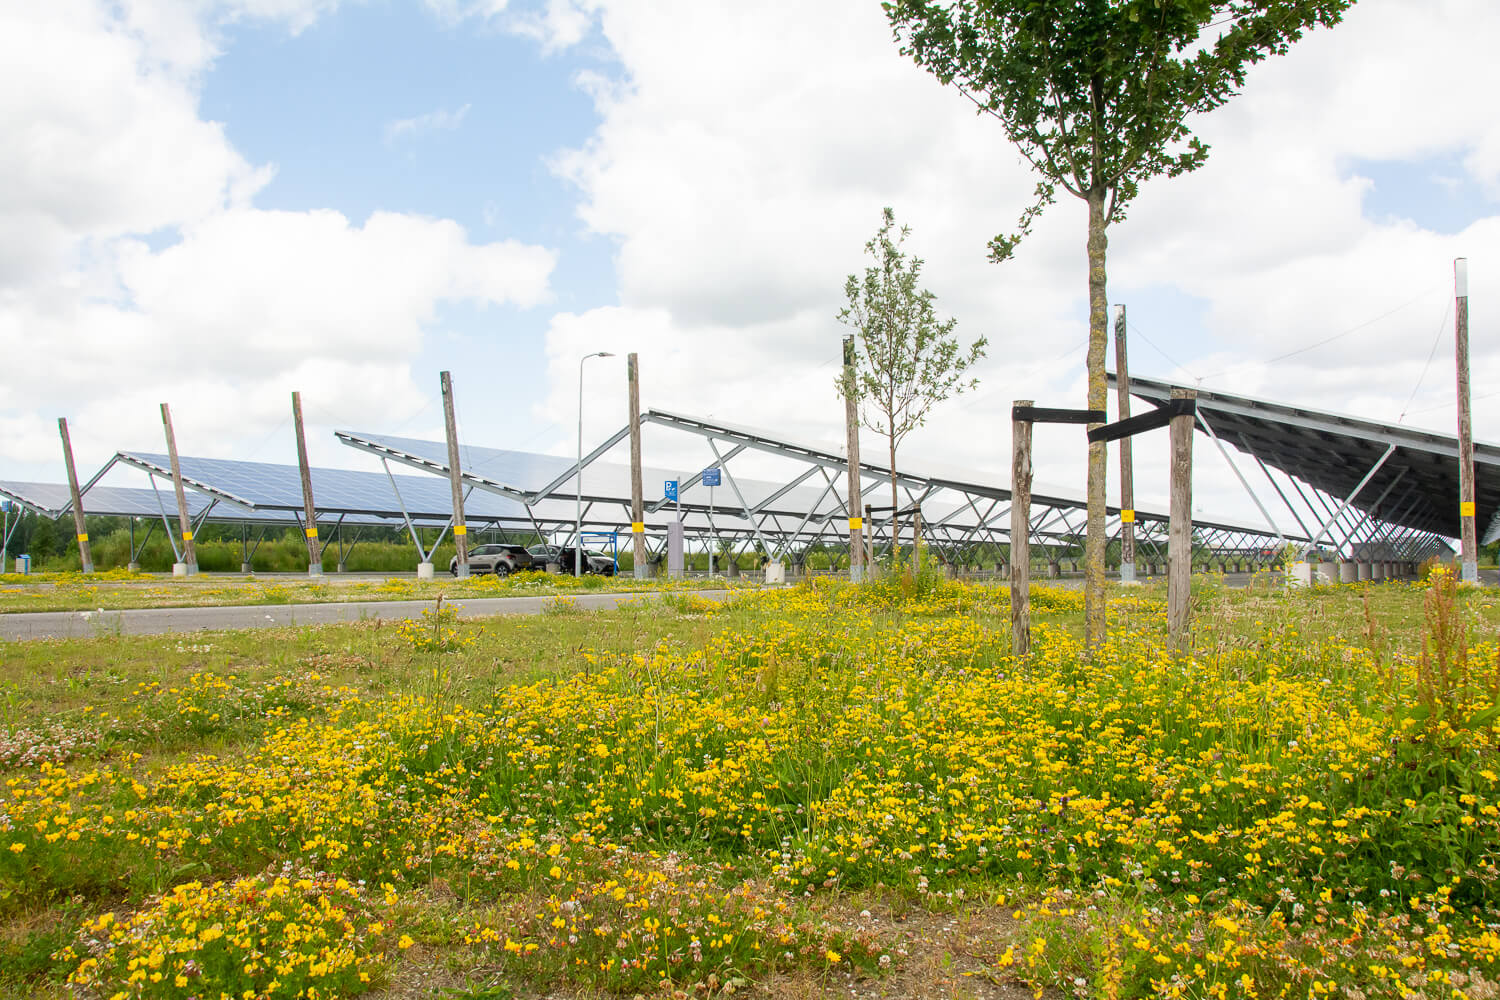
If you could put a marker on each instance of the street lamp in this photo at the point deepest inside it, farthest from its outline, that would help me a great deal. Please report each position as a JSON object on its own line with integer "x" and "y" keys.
{"x": 578, "y": 525}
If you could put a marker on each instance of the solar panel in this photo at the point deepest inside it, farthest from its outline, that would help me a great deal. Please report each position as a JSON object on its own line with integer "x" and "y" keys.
{"x": 606, "y": 482}
{"x": 264, "y": 486}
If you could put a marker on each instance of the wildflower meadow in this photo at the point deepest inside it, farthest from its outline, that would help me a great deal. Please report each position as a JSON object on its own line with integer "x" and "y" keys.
{"x": 819, "y": 790}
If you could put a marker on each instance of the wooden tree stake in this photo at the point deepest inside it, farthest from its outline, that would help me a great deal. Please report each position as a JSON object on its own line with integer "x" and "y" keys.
{"x": 1180, "y": 532}
{"x": 1020, "y": 534}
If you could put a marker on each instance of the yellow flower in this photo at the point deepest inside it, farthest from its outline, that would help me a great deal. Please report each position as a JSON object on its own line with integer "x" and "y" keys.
{"x": 833, "y": 957}
{"x": 405, "y": 942}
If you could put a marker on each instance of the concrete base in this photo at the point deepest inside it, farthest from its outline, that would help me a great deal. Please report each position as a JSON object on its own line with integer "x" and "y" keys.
{"x": 424, "y": 571}
{"x": 134, "y": 567}
{"x": 1377, "y": 571}
{"x": 461, "y": 574}
{"x": 315, "y": 569}
{"x": 1127, "y": 572}
{"x": 1328, "y": 572}
{"x": 856, "y": 573}
{"x": 776, "y": 572}
{"x": 342, "y": 568}
{"x": 1365, "y": 571}
{"x": 553, "y": 567}
{"x": 245, "y": 568}
{"x": 1348, "y": 572}
{"x": 732, "y": 570}
{"x": 1299, "y": 574}
{"x": 641, "y": 571}
{"x": 179, "y": 569}
{"x": 1054, "y": 570}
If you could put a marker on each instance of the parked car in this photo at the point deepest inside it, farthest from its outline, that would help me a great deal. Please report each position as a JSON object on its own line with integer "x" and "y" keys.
{"x": 594, "y": 562}
{"x": 541, "y": 555}
{"x": 501, "y": 560}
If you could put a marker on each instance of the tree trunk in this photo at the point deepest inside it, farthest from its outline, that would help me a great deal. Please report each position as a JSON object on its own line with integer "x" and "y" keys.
{"x": 1093, "y": 548}
{"x": 895, "y": 506}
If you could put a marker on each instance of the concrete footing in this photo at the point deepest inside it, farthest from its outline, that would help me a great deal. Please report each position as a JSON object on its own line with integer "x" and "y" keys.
{"x": 179, "y": 569}
{"x": 1054, "y": 570}
{"x": 424, "y": 571}
{"x": 134, "y": 567}
{"x": 1300, "y": 574}
{"x": 1365, "y": 571}
{"x": 245, "y": 568}
{"x": 1328, "y": 572}
{"x": 315, "y": 569}
{"x": 1127, "y": 572}
{"x": 342, "y": 568}
{"x": 1348, "y": 572}
{"x": 776, "y": 572}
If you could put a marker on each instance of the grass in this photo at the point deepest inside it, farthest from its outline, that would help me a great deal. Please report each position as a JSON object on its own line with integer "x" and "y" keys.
{"x": 806, "y": 792}
{"x": 119, "y": 590}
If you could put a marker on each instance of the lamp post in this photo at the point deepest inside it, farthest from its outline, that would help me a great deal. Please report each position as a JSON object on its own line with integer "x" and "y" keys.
{"x": 578, "y": 525}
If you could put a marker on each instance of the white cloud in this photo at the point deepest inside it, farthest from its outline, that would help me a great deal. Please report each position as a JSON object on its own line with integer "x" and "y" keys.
{"x": 744, "y": 155}
{"x": 136, "y": 267}
{"x": 441, "y": 120}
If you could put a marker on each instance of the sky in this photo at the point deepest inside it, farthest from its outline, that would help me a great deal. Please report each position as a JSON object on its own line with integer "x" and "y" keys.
{"x": 212, "y": 203}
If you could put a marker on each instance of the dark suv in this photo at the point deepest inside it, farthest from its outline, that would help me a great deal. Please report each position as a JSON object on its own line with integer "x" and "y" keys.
{"x": 593, "y": 562}
{"x": 501, "y": 560}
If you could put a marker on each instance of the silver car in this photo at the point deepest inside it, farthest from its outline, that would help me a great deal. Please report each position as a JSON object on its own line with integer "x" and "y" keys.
{"x": 501, "y": 560}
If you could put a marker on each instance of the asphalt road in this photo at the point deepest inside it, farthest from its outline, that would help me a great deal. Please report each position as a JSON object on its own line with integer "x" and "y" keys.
{"x": 154, "y": 621}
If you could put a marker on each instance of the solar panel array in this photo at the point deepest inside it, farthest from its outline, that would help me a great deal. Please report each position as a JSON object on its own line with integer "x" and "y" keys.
{"x": 50, "y": 500}
{"x": 603, "y": 481}
{"x": 265, "y": 486}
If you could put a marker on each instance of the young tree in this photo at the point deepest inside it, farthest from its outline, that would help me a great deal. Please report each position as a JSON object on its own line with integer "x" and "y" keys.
{"x": 1096, "y": 96}
{"x": 906, "y": 359}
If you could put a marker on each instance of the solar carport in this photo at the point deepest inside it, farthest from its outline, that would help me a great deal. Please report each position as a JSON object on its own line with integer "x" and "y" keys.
{"x": 1371, "y": 491}
{"x": 962, "y": 517}
{"x": 261, "y": 495}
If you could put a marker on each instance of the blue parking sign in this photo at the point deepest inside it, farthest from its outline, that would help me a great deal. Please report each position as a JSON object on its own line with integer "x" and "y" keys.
{"x": 671, "y": 489}
{"x": 711, "y": 477}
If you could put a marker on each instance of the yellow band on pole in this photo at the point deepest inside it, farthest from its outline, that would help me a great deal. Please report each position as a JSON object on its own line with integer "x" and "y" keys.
{"x": 187, "y": 536}
{"x": 1127, "y": 516}
{"x": 312, "y": 532}
{"x": 855, "y": 523}
{"x": 638, "y": 527}
{"x": 459, "y": 529}
{"x": 83, "y": 537}
{"x": 1466, "y": 509}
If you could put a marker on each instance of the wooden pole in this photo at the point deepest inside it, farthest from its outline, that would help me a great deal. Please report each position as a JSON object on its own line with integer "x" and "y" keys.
{"x": 82, "y": 531}
{"x": 189, "y": 551}
{"x": 1180, "y": 532}
{"x": 637, "y": 489}
{"x": 869, "y": 537}
{"x": 455, "y": 477}
{"x": 916, "y": 541}
{"x": 310, "y": 513}
{"x": 1020, "y": 534}
{"x": 856, "y": 493}
{"x": 1469, "y": 545}
{"x": 1127, "y": 473}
